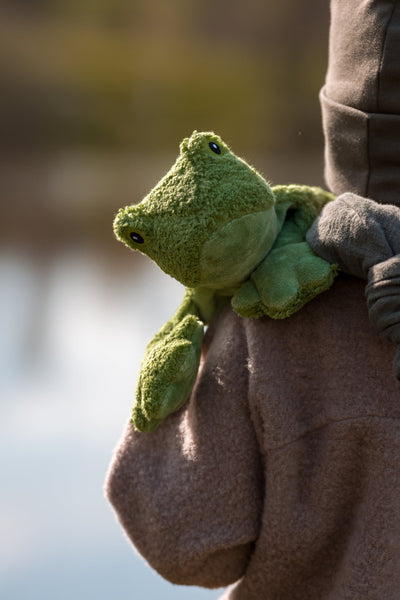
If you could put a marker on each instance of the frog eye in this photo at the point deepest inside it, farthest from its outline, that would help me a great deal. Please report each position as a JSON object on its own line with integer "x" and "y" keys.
{"x": 136, "y": 237}
{"x": 214, "y": 147}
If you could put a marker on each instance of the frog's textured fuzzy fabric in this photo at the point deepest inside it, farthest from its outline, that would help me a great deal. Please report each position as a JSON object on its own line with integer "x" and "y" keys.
{"x": 201, "y": 190}
{"x": 213, "y": 218}
{"x": 214, "y": 224}
{"x": 300, "y": 496}
{"x": 181, "y": 357}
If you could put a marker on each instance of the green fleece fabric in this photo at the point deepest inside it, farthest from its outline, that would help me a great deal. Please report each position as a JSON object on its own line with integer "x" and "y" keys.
{"x": 214, "y": 224}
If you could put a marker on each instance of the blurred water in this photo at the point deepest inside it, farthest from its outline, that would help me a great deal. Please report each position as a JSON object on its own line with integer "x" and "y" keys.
{"x": 73, "y": 332}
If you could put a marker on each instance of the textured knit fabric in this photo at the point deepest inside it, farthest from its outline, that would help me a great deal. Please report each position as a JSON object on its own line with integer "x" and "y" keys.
{"x": 363, "y": 238}
{"x": 361, "y": 99}
{"x": 356, "y": 233}
{"x": 300, "y": 497}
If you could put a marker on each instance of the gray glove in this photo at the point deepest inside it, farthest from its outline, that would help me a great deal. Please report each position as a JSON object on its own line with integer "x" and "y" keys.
{"x": 363, "y": 238}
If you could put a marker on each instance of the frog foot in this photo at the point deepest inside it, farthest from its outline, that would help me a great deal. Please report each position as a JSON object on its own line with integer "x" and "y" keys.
{"x": 288, "y": 278}
{"x": 168, "y": 374}
{"x": 247, "y": 301}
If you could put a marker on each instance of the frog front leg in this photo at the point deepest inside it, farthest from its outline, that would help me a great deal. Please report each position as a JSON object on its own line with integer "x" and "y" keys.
{"x": 168, "y": 373}
{"x": 171, "y": 361}
{"x": 289, "y": 276}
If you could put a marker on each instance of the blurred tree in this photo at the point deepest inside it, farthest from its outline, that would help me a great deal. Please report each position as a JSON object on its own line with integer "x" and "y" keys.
{"x": 126, "y": 74}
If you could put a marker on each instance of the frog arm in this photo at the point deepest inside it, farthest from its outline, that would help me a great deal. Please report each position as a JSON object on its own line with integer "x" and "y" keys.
{"x": 187, "y": 307}
{"x": 285, "y": 281}
{"x": 289, "y": 276}
{"x": 202, "y": 303}
{"x": 171, "y": 361}
{"x": 167, "y": 374}
{"x": 169, "y": 366}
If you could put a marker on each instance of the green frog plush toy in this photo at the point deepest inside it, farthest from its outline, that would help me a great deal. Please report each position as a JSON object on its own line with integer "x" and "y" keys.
{"x": 214, "y": 224}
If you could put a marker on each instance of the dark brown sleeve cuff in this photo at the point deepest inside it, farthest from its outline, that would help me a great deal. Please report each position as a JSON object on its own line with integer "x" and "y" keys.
{"x": 361, "y": 151}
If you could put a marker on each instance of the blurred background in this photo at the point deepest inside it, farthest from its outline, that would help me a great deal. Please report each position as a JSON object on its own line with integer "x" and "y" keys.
{"x": 96, "y": 96}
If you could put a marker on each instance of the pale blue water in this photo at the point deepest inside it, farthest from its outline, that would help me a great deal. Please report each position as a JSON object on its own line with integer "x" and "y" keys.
{"x": 72, "y": 337}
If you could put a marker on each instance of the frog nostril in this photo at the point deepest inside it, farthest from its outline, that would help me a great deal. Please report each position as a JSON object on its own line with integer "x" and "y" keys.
{"x": 136, "y": 237}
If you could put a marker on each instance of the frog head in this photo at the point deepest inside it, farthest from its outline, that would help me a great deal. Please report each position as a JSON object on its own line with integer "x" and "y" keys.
{"x": 210, "y": 220}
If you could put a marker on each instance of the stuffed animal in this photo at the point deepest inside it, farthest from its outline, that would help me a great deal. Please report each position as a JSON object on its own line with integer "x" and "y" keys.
{"x": 214, "y": 224}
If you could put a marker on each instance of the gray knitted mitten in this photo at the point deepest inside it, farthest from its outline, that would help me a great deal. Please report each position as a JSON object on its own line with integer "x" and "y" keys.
{"x": 363, "y": 238}
{"x": 383, "y": 300}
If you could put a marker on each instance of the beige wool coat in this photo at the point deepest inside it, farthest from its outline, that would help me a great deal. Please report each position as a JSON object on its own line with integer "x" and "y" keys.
{"x": 281, "y": 475}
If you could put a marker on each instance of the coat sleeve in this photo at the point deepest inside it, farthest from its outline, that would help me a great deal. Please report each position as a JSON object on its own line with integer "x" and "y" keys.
{"x": 363, "y": 238}
{"x": 189, "y": 494}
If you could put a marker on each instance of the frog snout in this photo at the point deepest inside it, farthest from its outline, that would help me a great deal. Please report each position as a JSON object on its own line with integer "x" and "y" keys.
{"x": 131, "y": 228}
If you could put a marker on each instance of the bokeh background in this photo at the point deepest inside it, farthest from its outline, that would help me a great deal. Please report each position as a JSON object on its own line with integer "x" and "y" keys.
{"x": 96, "y": 96}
